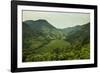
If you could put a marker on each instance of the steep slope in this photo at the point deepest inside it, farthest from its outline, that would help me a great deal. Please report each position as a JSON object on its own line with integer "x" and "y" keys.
{"x": 80, "y": 41}
{"x": 79, "y": 33}
{"x": 44, "y": 28}
{"x": 69, "y": 30}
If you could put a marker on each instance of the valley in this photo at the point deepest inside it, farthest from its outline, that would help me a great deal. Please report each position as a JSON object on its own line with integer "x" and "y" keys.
{"x": 44, "y": 42}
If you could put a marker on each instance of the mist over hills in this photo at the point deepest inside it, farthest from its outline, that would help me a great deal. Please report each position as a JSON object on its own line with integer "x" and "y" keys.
{"x": 44, "y": 42}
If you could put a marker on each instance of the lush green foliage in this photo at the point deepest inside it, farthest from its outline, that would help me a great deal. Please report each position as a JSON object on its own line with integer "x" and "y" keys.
{"x": 44, "y": 42}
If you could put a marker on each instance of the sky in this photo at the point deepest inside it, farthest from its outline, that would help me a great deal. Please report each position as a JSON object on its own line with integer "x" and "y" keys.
{"x": 58, "y": 19}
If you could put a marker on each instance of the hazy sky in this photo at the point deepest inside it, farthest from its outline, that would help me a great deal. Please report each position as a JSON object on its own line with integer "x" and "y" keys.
{"x": 58, "y": 19}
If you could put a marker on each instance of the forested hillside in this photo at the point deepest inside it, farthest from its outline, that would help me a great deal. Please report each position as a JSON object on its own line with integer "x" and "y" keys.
{"x": 44, "y": 42}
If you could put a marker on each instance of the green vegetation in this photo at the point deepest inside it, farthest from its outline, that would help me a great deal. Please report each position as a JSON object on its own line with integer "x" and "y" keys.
{"x": 44, "y": 42}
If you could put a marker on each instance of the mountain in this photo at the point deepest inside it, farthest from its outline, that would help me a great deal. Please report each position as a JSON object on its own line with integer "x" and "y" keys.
{"x": 43, "y": 28}
{"x": 39, "y": 23}
{"x": 44, "y": 42}
{"x": 68, "y": 30}
{"x": 79, "y": 33}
